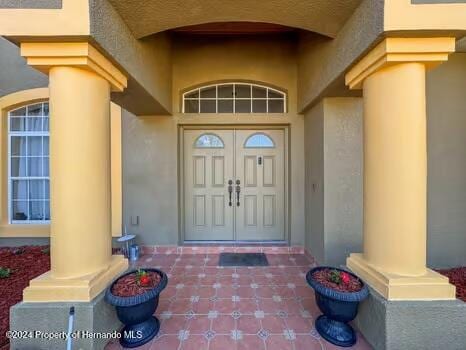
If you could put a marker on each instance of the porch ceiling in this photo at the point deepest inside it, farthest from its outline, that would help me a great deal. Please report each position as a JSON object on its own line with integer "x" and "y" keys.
{"x": 320, "y": 16}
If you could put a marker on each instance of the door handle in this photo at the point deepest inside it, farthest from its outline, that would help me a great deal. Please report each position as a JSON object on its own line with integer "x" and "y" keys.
{"x": 238, "y": 190}
{"x": 230, "y": 191}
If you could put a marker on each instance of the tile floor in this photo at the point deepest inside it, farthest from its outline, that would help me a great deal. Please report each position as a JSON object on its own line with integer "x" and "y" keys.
{"x": 206, "y": 307}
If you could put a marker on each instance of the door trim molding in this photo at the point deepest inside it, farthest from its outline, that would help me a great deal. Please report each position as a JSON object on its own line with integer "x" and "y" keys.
{"x": 181, "y": 188}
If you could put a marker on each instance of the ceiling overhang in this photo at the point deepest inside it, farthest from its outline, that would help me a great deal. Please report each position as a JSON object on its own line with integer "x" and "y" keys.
{"x": 148, "y": 17}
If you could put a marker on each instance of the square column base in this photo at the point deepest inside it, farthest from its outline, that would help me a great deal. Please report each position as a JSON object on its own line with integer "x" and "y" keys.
{"x": 400, "y": 325}
{"x": 43, "y": 326}
{"x": 45, "y": 288}
{"x": 431, "y": 286}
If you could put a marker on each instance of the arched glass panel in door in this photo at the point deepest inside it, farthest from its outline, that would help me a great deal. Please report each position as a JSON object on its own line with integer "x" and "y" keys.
{"x": 209, "y": 141}
{"x": 259, "y": 141}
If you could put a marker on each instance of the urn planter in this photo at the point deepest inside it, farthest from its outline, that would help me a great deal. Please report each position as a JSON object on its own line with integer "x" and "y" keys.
{"x": 137, "y": 312}
{"x": 338, "y": 309}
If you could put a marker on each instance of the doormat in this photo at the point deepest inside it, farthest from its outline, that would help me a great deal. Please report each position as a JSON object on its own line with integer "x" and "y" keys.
{"x": 243, "y": 259}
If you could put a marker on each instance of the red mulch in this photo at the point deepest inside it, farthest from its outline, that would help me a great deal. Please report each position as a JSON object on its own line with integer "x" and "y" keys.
{"x": 25, "y": 263}
{"x": 322, "y": 276}
{"x": 128, "y": 285}
{"x": 457, "y": 276}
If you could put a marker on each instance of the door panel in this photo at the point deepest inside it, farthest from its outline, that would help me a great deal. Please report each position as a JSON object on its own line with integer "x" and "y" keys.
{"x": 261, "y": 171}
{"x": 258, "y": 162}
{"x": 207, "y": 213}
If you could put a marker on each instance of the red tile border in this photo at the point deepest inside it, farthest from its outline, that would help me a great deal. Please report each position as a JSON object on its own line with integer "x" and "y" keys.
{"x": 217, "y": 249}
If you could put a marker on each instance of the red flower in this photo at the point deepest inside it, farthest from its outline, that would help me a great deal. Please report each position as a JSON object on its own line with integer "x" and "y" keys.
{"x": 345, "y": 277}
{"x": 144, "y": 280}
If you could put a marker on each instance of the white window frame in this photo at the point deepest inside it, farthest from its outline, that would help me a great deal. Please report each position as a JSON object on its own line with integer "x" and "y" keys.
{"x": 234, "y": 98}
{"x": 11, "y": 179}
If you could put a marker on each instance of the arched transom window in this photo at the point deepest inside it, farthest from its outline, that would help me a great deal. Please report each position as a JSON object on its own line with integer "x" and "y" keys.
{"x": 234, "y": 98}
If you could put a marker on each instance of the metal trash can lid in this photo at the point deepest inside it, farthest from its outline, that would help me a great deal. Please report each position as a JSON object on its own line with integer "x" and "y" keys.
{"x": 126, "y": 238}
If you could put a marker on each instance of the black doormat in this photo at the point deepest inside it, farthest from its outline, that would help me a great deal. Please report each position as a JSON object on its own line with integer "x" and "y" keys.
{"x": 243, "y": 259}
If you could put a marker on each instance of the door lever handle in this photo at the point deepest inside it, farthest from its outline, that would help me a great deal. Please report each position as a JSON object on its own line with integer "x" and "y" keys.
{"x": 230, "y": 191}
{"x": 238, "y": 190}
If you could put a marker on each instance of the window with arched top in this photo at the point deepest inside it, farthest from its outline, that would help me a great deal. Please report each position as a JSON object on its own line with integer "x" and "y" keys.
{"x": 234, "y": 98}
{"x": 209, "y": 141}
{"x": 259, "y": 140}
{"x": 28, "y": 167}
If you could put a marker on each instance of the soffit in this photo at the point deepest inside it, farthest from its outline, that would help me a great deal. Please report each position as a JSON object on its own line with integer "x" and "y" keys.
{"x": 153, "y": 16}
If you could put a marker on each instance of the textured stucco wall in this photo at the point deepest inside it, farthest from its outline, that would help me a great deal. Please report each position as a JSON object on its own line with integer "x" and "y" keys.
{"x": 15, "y": 75}
{"x": 314, "y": 164}
{"x": 150, "y": 144}
{"x": 147, "y": 61}
{"x": 148, "y": 17}
{"x": 333, "y": 151}
{"x": 343, "y": 162}
{"x": 358, "y": 35}
{"x": 446, "y": 130}
{"x": 16, "y": 242}
{"x": 150, "y": 178}
{"x": 31, "y": 4}
{"x": 412, "y": 325}
{"x": 342, "y": 134}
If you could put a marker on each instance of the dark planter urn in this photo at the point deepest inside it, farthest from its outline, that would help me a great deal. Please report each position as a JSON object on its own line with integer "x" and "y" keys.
{"x": 338, "y": 309}
{"x": 137, "y": 312}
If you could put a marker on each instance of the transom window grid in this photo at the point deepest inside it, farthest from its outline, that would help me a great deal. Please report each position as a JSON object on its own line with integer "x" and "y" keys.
{"x": 28, "y": 165}
{"x": 234, "y": 98}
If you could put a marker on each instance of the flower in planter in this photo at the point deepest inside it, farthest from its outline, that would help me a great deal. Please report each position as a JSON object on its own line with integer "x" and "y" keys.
{"x": 339, "y": 277}
{"x": 345, "y": 277}
{"x": 337, "y": 294}
{"x": 135, "y": 296}
{"x": 334, "y": 276}
{"x": 142, "y": 278}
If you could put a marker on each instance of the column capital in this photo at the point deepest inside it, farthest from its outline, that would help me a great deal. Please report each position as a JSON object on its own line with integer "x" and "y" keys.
{"x": 430, "y": 51}
{"x": 45, "y": 55}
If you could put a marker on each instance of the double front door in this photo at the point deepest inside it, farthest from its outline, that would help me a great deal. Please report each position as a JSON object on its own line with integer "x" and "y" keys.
{"x": 234, "y": 185}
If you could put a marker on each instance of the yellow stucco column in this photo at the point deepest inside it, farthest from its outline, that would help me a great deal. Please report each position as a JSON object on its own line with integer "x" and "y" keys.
{"x": 392, "y": 77}
{"x": 80, "y": 82}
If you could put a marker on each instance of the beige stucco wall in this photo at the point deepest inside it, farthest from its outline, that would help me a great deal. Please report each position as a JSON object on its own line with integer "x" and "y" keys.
{"x": 335, "y": 155}
{"x": 333, "y": 149}
{"x": 343, "y": 164}
{"x": 151, "y": 143}
{"x": 323, "y": 61}
{"x": 147, "y": 62}
{"x": 15, "y": 75}
{"x": 446, "y": 141}
{"x": 314, "y": 181}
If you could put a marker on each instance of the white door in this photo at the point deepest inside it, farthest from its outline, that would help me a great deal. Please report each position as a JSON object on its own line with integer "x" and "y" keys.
{"x": 234, "y": 185}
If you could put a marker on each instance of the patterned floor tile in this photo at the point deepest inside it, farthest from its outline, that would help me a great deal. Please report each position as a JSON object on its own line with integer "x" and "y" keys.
{"x": 198, "y": 324}
{"x": 274, "y": 324}
{"x": 195, "y": 342}
{"x": 166, "y": 342}
{"x": 251, "y": 342}
{"x": 222, "y": 342}
{"x": 248, "y": 324}
{"x": 307, "y": 342}
{"x": 206, "y": 307}
{"x": 223, "y": 324}
{"x": 278, "y": 342}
